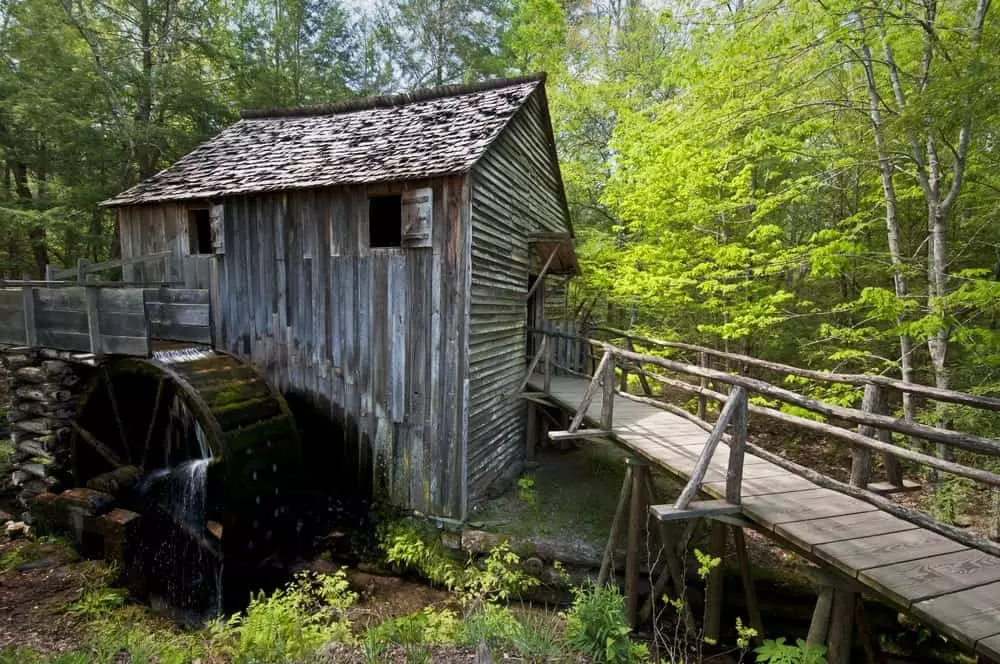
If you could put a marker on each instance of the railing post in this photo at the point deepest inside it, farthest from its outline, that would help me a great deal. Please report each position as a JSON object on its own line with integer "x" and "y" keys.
{"x": 28, "y": 304}
{"x": 608, "y": 405}
{"x": 861, "y": 457}
{"x": 703, "y": 362}
{"x": 90, "y": 294}
{"x": 636, "y": 513}
{"x": 81, "y": 270}
{"x": 737, "y": 447}
{"x": 623, "y": 385}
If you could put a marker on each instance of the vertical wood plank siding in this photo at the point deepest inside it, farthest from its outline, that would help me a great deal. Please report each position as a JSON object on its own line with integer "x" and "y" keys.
{"x": 515, "y": 192}
{"x": 150, "y": 229}
{"x": 373, "y": 339}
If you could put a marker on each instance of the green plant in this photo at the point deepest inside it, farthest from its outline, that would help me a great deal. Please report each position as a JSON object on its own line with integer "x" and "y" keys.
{"x": 706, "y": 563}
{"x": 596, "y": 626}
{"x": 526, "y": 490}
{"x": 495, "y": 625}
{"x": 776, "y": 651}
{"x": 538, "y": 637}
{"x": 291, "y": 623}
{"x": 407, "y": 546}
{"x": 500, "y": 578}
{"x": 97, "y": 602}
{"x": 430, "y": 626}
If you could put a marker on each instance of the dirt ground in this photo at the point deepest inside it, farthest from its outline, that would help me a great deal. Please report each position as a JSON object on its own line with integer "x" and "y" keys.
{"x": 35, "y": 593}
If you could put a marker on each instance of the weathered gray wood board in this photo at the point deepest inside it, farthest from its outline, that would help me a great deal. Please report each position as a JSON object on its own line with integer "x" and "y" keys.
{"x": 954, "y": 588}
{"x": 103, "y": 320}
{"x": 373, "y": 337}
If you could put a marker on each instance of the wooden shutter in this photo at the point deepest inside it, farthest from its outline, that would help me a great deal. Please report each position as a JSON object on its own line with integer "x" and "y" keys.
{"x": 418, "y": 217}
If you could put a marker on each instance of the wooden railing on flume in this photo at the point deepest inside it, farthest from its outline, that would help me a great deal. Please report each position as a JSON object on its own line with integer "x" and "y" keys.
{"x": 167, "y": 268}
{"x": 875, "y": 425}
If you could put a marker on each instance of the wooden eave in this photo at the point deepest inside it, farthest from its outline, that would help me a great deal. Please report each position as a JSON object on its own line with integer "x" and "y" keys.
{"x": 544, "y": 244}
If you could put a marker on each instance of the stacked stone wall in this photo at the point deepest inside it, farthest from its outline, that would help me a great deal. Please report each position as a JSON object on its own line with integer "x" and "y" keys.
{"x": 42, "y": 391}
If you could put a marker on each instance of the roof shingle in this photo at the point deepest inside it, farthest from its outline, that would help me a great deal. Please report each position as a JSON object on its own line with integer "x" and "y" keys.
{"x": 430, "y": 133}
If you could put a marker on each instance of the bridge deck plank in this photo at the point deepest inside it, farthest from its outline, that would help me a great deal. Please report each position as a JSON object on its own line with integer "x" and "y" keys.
{"x": 971, "y": 614}
{"x": 810, "y": 533}
{"x": 954, "y": 588}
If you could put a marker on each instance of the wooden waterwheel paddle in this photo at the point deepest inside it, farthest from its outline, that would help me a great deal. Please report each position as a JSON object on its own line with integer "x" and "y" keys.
{"x": 207, "y": 453}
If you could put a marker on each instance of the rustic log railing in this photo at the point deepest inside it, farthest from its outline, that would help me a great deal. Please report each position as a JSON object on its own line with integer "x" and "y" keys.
{"x": 160, "y": 268}
{"x": 875, "y": 425}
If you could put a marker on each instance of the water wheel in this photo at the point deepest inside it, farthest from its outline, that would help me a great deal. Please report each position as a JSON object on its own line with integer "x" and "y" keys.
{"x": 207, "y": 453}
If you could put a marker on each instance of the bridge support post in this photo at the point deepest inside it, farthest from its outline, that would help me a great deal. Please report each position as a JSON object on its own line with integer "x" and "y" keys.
{"x": 636, "y": 516}
{"x": 713, "y": 594}
{"x": 531, "y": 435}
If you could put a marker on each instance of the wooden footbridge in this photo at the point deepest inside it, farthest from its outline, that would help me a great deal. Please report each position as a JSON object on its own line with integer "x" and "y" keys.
{"x": 861, "y": 540}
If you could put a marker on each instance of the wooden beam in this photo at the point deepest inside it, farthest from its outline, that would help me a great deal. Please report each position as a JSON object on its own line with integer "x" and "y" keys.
{"x": 746, "y": 574}
{"x": 106, "y": 452}
{"x": 588, "y": 395}
{"x": 636, "y": 512}
{"x": 694, "y": 510}
{"x": 580, "y": 434}
{"x": 616, "y": 527}
{"x": 707, "y": 452}
{"x": 541, "y": 275}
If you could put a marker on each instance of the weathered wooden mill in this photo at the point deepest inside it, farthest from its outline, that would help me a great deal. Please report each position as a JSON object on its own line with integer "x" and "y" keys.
{"x": 377, "y": 262}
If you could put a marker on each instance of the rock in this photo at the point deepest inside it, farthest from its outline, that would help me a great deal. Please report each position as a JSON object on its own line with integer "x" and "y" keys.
{"x": 480, "y": 541}
{"x": 41, "y": 563}
{"x": 483, "y": 655}
{"x": 29, "y": 374}
{"x": 533, "y": 566}
{"x": 17, "y": 529}
{"x": 87, "y": 501}
{"x": 34, "y": 469}
{"x": 5, "y": 517}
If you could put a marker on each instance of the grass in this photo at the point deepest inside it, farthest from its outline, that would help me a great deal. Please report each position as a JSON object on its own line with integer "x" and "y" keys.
{"x": 571, "y": 495}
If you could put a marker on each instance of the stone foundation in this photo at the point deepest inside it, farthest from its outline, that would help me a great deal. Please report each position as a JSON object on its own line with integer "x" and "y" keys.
{"x": 43, "y": 388}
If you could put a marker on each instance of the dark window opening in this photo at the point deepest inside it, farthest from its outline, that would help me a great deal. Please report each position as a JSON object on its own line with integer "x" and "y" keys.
{"x": 385, "y": 221}
{"x": 200, "y": 231}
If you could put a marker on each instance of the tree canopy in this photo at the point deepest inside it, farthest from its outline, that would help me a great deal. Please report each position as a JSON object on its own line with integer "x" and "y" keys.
{"x": 810, "y": 181}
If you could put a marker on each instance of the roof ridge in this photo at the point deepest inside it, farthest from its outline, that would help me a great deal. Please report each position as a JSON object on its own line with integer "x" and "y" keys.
{"x": 387, "y": 101}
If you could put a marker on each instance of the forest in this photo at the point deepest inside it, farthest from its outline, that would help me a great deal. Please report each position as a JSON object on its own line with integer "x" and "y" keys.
{"x": 807, "y": 180}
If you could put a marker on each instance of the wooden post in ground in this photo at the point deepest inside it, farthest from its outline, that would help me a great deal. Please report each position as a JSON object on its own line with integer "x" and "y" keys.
{"x": 531, "y": 435}
{"x": 749, "y": 589}
{"x": 636, "y": 518}
{"x": 841, "y": 626}
{"x": 713, "y": 595}
{"x": 616, "y": 527}
{"x": 820, "y": 625}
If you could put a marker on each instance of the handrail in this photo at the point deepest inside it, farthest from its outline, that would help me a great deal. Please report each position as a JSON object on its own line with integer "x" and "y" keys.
{"x": 958, "y": 439}
{"x": 873, "y": 434}
{"x": 730, "y": 414}
{"x": 86, "y": 267}
{"x": 935, "y": 393}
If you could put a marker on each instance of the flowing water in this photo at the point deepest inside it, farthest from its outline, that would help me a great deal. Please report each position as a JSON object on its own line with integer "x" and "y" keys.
{"x": 183, "y": 562}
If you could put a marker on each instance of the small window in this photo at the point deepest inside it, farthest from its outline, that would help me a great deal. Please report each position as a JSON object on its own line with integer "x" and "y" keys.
{"x": 200, "y": 231}
{"x": 385, "y": 221}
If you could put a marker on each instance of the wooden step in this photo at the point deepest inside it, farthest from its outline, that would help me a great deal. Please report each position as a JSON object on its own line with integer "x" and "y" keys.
{"x": 695, "y": 510}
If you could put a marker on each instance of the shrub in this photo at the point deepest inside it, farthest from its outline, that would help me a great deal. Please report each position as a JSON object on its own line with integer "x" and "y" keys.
{"x": 290, "y": 624}
{"x": 596, "y": 626}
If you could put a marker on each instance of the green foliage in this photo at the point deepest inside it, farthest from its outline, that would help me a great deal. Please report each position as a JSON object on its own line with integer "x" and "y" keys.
{"x": 291, "y": 623}
{"x": 596, "y": 626}
{"x": 97, "y": 602}
{"x": 526, "y": 490}
{"x": 500, "y": 577}
{"x": 429, "y": 626}
{"x": 776, "y": 651}
{"x": 706, "y": 563}
{"x": 407, "y": 545}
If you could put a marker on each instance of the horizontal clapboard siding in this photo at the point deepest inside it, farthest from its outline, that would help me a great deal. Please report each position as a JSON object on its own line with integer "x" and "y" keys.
{"x": 515, "y": 191}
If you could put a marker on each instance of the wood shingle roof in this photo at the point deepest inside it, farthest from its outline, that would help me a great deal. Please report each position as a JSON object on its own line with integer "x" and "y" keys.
{"x": 429, "y": 133}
